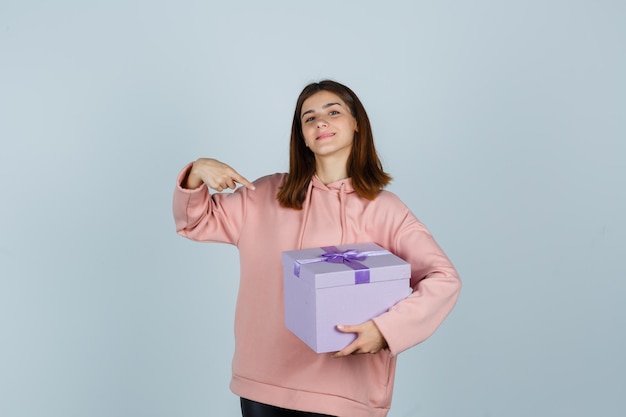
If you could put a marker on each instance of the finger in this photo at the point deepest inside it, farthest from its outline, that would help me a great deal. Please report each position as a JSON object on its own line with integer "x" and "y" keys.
{"x": 230, "y": 183}
{"x": 349, "y": 329}
{"x": 348, "y": 350}
{"x": 352, "y": 347}
{"x": 243, "y": 181}
{"x": 218, "y": 185}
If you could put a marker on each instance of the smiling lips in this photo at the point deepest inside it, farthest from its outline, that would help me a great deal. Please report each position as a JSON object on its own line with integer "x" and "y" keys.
{"x": 324, "y": 135}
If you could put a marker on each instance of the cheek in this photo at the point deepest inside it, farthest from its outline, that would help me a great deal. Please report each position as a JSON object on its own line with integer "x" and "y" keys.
{"x": 307, "y": 134}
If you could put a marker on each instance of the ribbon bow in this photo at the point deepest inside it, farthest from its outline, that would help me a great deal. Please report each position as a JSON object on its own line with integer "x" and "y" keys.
{"x": 345, "y": 257}
{"x": 348, "y": 257}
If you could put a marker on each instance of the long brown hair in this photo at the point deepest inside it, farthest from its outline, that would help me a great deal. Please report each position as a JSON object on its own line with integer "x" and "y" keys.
{"x": 364, "y": 166}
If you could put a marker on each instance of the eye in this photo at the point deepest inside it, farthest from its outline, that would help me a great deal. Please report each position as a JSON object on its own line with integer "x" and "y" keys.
{"x": 309, "y": 119}
{"x": 333, "y": 112}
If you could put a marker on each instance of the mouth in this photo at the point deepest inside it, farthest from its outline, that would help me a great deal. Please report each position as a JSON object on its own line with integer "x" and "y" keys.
{"x": 325, "y": 136}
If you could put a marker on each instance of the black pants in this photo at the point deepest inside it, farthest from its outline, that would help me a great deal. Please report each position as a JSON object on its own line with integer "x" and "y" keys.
{"x": 251, "y": 408}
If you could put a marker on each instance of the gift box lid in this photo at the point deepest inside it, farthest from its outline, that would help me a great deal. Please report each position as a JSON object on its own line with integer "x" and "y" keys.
{"x": 351, "y": 264}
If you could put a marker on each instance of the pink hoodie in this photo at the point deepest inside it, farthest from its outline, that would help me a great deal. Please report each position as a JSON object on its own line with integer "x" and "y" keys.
{"x": 270, "y": 364}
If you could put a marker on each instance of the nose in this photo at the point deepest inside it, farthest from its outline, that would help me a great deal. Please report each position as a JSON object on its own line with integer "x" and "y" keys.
{"x": 321, "y": 123}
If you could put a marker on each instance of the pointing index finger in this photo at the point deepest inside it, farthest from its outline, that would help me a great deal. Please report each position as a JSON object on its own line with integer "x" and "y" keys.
{"x": 243, "y": 181}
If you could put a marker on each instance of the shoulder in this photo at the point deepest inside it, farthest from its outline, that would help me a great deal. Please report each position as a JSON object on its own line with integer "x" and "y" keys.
{"x": 396, "y": 209}
{"x": 392, "y": 209}
{"x": 391, "y": 201}
{"x": 271, "y": 181}
{"x": 266, "y": 188}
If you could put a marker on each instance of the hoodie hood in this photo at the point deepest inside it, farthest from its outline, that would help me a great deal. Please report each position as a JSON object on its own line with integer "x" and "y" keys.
{"x": 345, "y": 185}
{"x": 329, "y": 195}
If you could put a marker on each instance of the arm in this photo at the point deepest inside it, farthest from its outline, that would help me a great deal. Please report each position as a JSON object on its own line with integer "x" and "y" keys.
{"x": 204, "y": 217}
{"x": 214, "y": 174}
{"x": 436, "y": 286}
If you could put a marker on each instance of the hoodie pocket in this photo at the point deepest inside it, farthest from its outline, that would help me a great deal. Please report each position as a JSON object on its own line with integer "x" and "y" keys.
{"x": 381, "y": 372}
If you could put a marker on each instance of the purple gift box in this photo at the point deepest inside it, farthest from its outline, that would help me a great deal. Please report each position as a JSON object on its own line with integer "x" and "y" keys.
{"x": 346, "y": 284}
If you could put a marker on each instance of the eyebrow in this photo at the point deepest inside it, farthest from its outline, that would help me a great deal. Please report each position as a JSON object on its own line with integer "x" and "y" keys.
{"x": 325, "y": 106}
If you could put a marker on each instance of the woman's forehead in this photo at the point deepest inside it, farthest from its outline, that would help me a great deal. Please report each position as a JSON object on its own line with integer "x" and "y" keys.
{"x": 321, "y": 99}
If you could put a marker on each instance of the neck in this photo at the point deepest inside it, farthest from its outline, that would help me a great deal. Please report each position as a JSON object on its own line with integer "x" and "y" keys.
{"x": 329, "y": 170}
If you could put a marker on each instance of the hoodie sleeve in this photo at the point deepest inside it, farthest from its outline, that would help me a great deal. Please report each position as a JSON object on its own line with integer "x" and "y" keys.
{"x": 436, "y": 286}
{"x": 206, "y": 217}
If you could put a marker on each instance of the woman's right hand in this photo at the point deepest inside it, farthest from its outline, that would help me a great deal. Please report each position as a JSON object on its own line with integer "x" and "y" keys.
{"x": 217, "y": 175}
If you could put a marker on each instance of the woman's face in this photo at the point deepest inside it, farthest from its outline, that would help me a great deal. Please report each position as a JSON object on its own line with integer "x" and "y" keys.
{"x": 327, "y": 125}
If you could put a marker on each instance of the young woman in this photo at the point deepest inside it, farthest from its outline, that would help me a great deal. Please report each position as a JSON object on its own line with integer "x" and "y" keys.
{"x": 332, "y": 195}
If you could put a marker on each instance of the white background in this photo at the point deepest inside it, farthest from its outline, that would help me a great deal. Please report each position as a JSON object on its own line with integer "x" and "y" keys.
{"x": 502, "y": 123}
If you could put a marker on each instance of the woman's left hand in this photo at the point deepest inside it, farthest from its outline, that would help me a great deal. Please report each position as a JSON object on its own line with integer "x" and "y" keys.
{"x": 369, "y": 339}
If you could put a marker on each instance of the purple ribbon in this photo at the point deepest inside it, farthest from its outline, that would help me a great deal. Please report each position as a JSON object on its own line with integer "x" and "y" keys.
{"x": 348, "y": 257}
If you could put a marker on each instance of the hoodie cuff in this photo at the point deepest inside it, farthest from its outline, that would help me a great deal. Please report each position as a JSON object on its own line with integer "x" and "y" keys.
{"x": 181, "y": 178}
{"x": 383, "y": 326}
